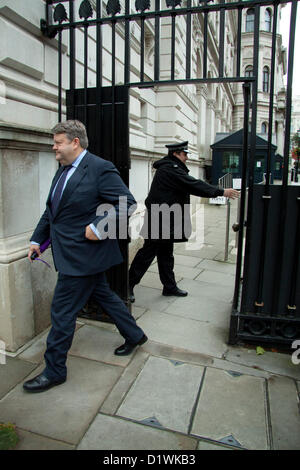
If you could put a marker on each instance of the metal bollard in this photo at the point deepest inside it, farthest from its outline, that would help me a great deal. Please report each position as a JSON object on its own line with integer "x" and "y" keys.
{"x": 227, "y": 231}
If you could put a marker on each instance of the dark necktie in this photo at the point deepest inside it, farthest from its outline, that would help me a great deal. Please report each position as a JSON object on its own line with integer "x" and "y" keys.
{"x": 59, "y": 188}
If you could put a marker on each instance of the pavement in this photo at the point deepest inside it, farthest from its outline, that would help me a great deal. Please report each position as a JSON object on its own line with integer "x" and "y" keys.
{"x": 185, "y": 389}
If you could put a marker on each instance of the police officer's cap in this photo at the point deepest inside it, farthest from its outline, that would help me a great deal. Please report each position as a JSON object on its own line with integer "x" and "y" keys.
{"x": 178, "y": 147}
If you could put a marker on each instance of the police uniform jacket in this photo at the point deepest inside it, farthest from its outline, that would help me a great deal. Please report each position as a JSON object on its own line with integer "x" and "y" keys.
{"x": 170, "y": 191}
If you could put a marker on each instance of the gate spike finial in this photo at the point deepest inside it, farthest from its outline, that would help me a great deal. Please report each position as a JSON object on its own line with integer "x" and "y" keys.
{"x": 142, "y": 5}
{"x": 173, "y": 3}
{"x": 60, "y": 13}
{"x": 113, "y": 7}
{"x": 85, "y": 10}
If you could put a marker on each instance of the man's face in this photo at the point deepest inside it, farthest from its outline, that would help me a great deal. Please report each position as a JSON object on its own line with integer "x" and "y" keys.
{"x": 183, "y": 156}
{"x": 66, "y": 151}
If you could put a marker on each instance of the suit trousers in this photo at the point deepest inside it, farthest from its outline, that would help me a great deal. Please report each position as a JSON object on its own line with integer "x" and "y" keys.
{"x": 70, "y": 295}
{"x": 163, "y": 250}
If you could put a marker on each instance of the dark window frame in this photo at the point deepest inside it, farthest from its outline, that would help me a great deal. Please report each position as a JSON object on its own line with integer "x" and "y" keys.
{"x": 268, "y": 20}
{"x": 250, "y": 15}
{"x": 266, "y": 79}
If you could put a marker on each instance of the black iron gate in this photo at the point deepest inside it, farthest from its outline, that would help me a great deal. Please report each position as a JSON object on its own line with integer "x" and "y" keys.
{"x": 105, "y": 113}
{"x": 267, "y": 306}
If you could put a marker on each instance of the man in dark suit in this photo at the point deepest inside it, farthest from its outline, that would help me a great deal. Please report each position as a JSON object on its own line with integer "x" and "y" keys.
{"x": 81, "y": 246}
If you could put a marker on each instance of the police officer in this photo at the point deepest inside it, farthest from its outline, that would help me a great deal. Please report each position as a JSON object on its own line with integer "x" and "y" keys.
{"x": 167, "y": 220}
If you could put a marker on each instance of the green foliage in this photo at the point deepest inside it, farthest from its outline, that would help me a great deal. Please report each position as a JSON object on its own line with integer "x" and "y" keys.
{"x": 296, "y": 140}
{"x": 8, "y": 436}
{"x": 296, "y": 146}
{"x": 260, "y": 350}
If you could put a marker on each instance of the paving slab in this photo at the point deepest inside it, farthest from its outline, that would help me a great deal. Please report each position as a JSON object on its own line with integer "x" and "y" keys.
{"x": 193, "y": 250}
{"x": 63, "y": 412}
{"x": 211, "y": 233}
{"x": 98, "y": 344}
{"x": 216, "y": 278}
{"x": 277, "y": 363}
{"x": 231, "y": 257}
{"x": 129, "y": 375}
{"x": 184, "y": 333}
{"x": 180, "y": 271}
{"x": 164, "y": 394}
{"x": 98, "y": 324}
{"x": 239, "y": 369}
{"x": 35, "y": 352}
{"x": 208, "y": 310}
{"x": 181, "y": 260}
{"x": 137, "y": 312}
{"x": 218, "y": 266}
{"x": 231, "y": 408}
{"x": 13, "y": 372}
{"x": 215, "y": 240}
{"x": 151, "y": 279}
{"x": 201, "y": 290}
{"x": 148, "y": 298}
{"x": 285, "y": 413}
{"x": 177, "y": 354}
{"x": 113, "y": 433}
{"x": 31, "y": 441}
{"x": 205, "y": 445}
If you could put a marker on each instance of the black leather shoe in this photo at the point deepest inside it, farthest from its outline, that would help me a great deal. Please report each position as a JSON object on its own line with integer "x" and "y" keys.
{"x": 127, "y": 348}
{"x": 41, "y": 383}
{"x": 131, "y": 295}
{"x": 176, "y": 292}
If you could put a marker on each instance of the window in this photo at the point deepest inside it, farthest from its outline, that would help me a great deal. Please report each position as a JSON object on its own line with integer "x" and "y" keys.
{"x": 264, "y": 128}
{"x": 250, "y": 20}
{"x": 266, "y": 76}
{"x": 268, "y": 20}
{"x": 231, "y": 163}
{"x": 143, "y": 119}
{"x": 249, "y": 71}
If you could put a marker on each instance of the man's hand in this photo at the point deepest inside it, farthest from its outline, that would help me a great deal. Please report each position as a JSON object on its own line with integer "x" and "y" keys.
{"x": 231, "y": 193}
{"x": 33, "y": 249}
{"x": 89, "y": 234}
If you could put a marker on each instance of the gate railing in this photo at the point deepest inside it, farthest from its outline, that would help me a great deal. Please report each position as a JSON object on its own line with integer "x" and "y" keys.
{"x": 59, "y": 19}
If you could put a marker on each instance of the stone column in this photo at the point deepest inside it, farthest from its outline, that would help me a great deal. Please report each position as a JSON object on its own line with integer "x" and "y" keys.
{"x": 210, "y": 126}
{"x": 202, "y": 117}
{"x": 27, "y": 166}
{"x": 280, "y": 138}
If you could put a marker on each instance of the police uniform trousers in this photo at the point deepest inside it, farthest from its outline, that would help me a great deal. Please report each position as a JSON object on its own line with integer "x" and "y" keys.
{"x": 163, "y": 250}
{"x": 70, "y": 296}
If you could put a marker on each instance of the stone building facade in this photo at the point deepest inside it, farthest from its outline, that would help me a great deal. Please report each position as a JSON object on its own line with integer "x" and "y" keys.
{"x": 263, "y": 96}
{"x": 158, "y": 116}
{"x": 295, "y": 124}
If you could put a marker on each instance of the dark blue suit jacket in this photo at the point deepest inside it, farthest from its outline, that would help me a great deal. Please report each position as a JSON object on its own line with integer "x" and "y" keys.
{"x": 94, "y": 182}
